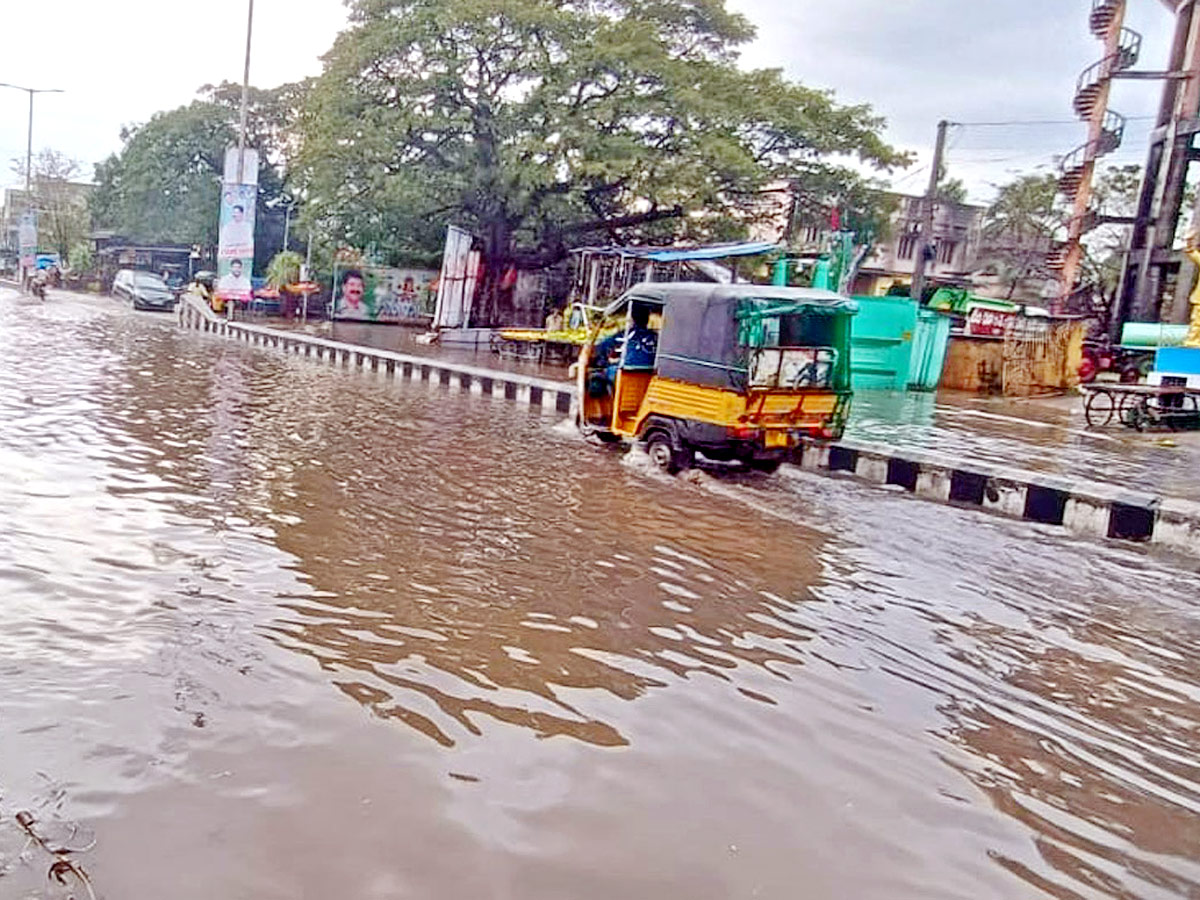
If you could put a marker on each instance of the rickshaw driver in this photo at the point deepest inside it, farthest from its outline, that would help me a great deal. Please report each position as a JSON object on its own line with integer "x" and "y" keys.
{"x": 641, "y": 343}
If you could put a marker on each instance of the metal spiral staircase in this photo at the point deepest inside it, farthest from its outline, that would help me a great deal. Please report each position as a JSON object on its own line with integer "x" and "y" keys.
{"x": 1090, "y": 102}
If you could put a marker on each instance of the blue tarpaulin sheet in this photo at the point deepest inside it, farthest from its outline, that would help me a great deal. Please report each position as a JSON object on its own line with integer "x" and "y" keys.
{"x": 683, "y": 254}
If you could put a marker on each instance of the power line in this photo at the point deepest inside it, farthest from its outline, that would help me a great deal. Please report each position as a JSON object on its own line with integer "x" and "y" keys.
{"x": 1021, "y": 122}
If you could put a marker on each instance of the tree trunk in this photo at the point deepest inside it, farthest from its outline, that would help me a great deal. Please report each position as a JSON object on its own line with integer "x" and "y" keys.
{"x": 493, "y": 304}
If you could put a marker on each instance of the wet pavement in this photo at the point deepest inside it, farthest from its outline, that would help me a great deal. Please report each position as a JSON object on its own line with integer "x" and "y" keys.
{"x": 1044, "y": 435}
{"x": 276, "y": 630}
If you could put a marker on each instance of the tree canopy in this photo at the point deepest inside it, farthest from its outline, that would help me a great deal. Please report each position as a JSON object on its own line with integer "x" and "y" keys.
{"x": 541, "y": 124}
{"x": 165, "y": 183}
{"x": 1021, "y": 227}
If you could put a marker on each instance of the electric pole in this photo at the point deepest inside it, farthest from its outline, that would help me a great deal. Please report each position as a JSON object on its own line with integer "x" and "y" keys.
{"x": 29, "y": 151}
{"x": 245, "y": 99}
{"x": 924, "y": 238}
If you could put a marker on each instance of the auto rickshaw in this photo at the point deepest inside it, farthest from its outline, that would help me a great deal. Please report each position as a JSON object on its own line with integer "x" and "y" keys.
{"x": 733, "y": 371}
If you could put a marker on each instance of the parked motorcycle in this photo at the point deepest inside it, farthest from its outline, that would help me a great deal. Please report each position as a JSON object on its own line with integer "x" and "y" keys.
{"x": 1100, "y": 355}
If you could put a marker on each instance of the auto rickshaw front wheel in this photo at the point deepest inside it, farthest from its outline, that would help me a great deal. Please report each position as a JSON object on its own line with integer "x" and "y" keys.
{"x": 665, "y": 456}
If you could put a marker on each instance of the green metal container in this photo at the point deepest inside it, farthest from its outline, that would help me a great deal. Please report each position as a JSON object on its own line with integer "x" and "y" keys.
{"x": 929, "y": 350}
{"x": 881, "y": 342}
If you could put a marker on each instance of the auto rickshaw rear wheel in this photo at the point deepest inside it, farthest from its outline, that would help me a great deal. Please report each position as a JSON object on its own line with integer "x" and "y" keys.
{"x": 665, "y": 456}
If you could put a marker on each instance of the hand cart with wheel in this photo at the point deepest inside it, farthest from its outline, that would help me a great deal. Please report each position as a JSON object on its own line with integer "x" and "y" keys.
{"x": 1141, "y": 406}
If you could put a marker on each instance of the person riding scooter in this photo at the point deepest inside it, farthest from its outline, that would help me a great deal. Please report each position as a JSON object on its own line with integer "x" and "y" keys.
{"x": 37, "y": 284}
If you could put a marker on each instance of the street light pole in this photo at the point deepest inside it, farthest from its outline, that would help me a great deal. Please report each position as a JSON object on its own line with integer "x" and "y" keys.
{"x": 29, "y": 143}
{"x": 29, "y": 153}
{"x": 245, "y": 99}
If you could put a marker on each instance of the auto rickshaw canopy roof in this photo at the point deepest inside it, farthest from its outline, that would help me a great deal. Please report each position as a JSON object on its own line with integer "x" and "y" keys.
{"x": 699, "y": 342}
{"x": 713, "y": 294}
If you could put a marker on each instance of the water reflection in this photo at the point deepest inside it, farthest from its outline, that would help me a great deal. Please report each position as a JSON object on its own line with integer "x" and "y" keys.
{"x": 459, "y": 567}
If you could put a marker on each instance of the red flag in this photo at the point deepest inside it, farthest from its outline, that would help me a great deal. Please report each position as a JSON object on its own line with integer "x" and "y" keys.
{"x": 835, "y": 220}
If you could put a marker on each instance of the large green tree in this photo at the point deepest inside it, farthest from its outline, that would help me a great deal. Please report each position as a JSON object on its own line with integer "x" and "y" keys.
{"x": 164, "y": 185}
{"x": 541, "y": 124}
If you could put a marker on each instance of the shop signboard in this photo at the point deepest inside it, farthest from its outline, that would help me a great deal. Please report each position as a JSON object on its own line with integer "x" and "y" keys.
{"x": 985, "y": 322}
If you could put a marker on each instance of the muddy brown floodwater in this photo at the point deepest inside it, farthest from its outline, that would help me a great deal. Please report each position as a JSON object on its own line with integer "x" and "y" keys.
{"x": 273, "y": 630}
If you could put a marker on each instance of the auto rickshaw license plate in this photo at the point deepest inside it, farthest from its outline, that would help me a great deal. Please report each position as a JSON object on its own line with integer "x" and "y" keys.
{"x": 776, "y": 439}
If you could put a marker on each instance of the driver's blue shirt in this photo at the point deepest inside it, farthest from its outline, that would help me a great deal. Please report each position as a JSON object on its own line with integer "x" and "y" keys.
{"x": 641, "y": 347}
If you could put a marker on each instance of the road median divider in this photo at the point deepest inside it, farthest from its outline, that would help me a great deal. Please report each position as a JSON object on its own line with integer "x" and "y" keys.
{"x": 543, "y": 393}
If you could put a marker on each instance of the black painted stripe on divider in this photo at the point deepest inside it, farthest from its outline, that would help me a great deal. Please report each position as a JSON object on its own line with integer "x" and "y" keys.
{"x": 535, "y": 396}
{"x": 842, "y": 459}
{"x": 562, "y": 403}
{"x": 1130, "y": 523}
{"x": 967, "y": 487}
{"x": 510, "y": 391}
{"x": 1045, "y": 505}
{"x": 903, "y": 472}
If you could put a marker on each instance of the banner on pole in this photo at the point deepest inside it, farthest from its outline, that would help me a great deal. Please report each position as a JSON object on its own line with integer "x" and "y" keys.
{"x": 27, "y": 239}
{"x": 235, "y": 249}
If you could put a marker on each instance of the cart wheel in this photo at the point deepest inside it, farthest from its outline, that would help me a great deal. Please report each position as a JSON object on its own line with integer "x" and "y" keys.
{"x": 1099, "y": 409}
{"x": 1129, "y": 410}
{"x": 1138, "y": 414}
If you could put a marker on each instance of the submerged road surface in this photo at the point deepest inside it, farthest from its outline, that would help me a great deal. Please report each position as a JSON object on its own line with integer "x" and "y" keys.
{"x": 273, "y": 630}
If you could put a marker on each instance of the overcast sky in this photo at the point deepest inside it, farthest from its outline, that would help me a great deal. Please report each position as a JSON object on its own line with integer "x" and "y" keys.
{"x": 915, "y": 61}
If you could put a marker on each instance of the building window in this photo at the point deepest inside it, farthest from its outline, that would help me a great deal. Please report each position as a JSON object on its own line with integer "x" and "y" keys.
{"x": 945, "y": 253}
{"x": 908, "y": 247}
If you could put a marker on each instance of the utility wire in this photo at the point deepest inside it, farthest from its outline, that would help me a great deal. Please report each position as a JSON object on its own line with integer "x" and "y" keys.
{"x": 1021, "y": 122}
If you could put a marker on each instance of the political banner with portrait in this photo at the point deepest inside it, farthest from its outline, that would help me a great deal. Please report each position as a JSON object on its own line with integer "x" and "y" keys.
{"x": 235, "y": 248}
{"x": 379, "y": 294}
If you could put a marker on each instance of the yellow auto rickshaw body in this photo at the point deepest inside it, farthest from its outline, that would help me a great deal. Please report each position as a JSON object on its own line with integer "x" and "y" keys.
{"x": 735, "y": 371}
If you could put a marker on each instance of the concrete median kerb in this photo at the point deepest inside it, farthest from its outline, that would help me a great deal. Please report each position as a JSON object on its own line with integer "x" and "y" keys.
{"x": 1083, "y": 507}
{"x": 537, "y": 393}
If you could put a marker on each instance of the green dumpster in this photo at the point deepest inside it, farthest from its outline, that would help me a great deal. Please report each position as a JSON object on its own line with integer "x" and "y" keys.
{"x": 929, "y": 350}
{"x": 881, "y": 343}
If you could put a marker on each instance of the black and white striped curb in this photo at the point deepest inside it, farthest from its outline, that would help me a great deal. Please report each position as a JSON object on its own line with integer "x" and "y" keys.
{"x": 544, "y": 393}
{"x": 1084, "y": 507}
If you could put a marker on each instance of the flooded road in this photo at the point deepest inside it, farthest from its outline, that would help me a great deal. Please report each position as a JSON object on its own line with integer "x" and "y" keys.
{"x": 273, "y": 630}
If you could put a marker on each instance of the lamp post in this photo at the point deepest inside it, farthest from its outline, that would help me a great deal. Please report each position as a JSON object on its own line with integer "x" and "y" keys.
{"x": 29, "y": 145}
{"x": 245, "y": 97}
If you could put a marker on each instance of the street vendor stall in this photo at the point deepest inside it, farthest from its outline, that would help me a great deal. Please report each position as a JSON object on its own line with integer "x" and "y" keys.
{"x": 558, "y": 343}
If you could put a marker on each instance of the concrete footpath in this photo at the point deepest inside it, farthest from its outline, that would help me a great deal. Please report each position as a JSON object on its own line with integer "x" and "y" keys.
{"x": 1101, "y": 508}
